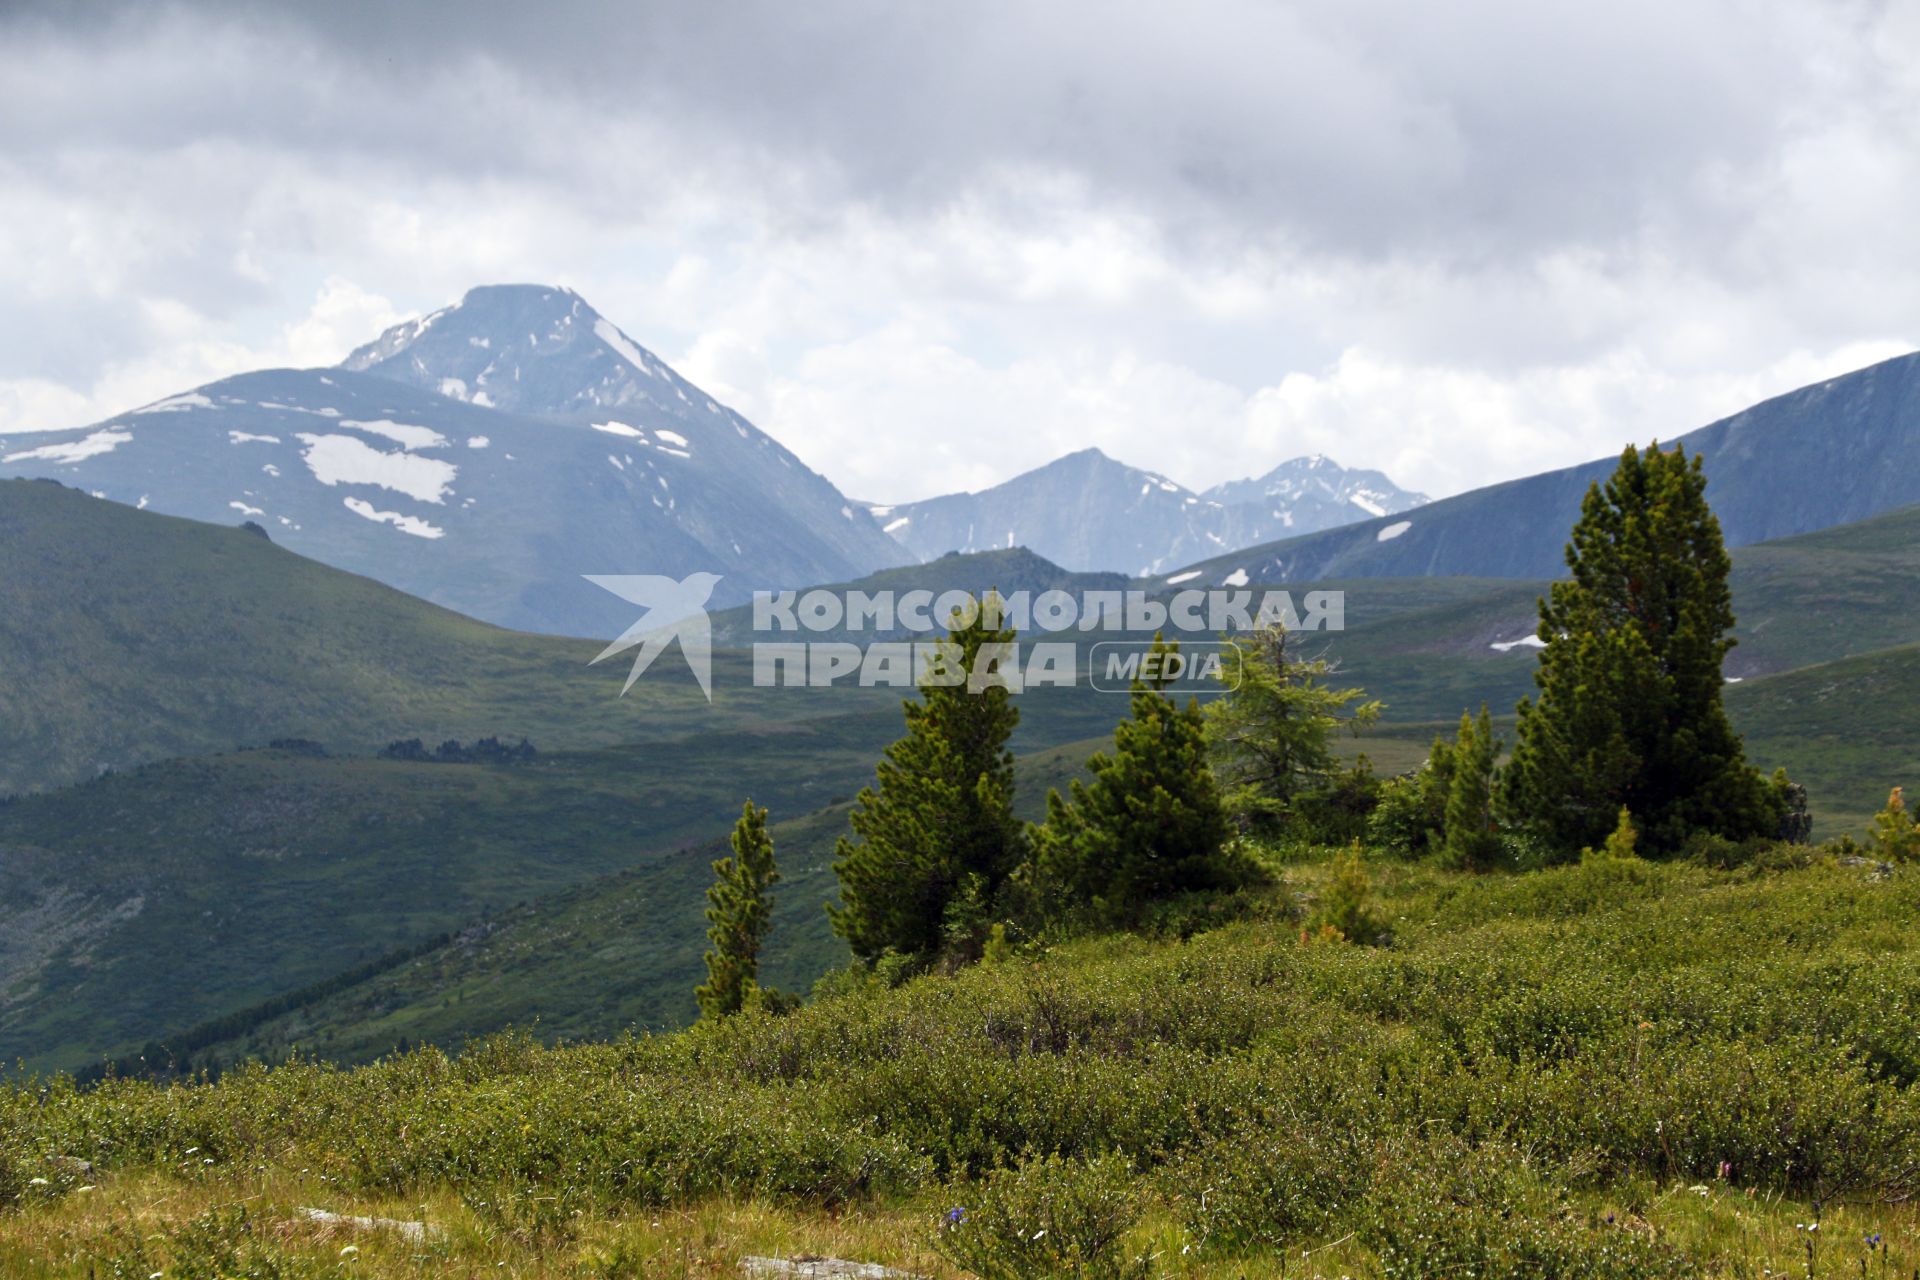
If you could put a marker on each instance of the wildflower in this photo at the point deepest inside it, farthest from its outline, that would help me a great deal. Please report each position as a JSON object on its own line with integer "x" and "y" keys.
{"x": 956, "y": 1216}
{"x": 1726, "y": 1170}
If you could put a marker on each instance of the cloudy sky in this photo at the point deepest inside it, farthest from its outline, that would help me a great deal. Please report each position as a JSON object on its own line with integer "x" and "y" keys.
{"x": 929, "y": 246}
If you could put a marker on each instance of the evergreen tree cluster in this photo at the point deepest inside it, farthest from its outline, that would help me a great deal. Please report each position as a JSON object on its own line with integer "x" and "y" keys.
{"x": 1625, "y": 751}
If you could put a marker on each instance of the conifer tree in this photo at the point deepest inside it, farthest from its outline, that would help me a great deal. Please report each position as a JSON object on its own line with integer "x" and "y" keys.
{"x": 739, "y": 910}
{"x": 1468, "y": 836}
{"x": 1272, "y": 734}
{"x": 1629, "y": 709}
{"x": 935, "y": 841}
{"x": 1152, "y": 823}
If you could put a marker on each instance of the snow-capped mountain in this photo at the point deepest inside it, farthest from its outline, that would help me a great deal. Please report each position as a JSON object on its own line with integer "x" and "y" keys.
{"x": 1317, "y": 493}
{"x": 484, "y": 457}
{"x": 1087, "y": 512}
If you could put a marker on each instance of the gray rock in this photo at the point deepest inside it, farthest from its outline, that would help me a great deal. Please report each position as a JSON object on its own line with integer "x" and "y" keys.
{"x": 807, "y": 1266}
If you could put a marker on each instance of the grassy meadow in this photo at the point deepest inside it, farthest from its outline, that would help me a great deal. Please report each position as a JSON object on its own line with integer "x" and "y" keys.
{"x": 1608, "y": 1069}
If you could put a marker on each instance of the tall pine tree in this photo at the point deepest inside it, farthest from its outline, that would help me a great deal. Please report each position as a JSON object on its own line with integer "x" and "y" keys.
{"x": 1629, "y": 711}
{"x": 1152, "y": 823}
{"x": 935, "y": 841}
{"x": 739, "y": 910}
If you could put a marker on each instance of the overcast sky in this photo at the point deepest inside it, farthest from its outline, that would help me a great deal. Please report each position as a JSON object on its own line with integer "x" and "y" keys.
{"x": 929, "y": 246}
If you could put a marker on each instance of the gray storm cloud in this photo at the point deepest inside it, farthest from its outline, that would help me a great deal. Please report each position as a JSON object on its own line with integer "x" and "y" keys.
{"x": 1241, "y": 192}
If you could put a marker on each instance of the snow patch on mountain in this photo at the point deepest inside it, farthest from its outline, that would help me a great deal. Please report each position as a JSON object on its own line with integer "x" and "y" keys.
{"x": 404, "y": 523}
{"x": 604, "y": 330}
{"x": 351, "y": 460}
{"x": 1393, "y": 531}
{"x": 400, "y": 433}
{"x": 91, "y": 446}
{"x": 177, "y": 404}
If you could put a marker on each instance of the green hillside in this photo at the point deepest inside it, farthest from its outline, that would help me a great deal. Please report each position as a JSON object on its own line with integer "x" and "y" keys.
{"x": 1800, "y": 601}
{"x": 127, "y": 637}
{"x": 1845, "y": 729}
{"x": 144, "y": 902}
{"x": 617, "y": 953}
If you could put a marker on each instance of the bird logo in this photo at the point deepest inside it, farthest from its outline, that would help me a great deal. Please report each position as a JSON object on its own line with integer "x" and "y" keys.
{"x": 675, "y": 610}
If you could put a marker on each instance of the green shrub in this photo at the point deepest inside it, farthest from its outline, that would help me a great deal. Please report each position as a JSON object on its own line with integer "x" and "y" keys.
{"x": 1483, "y": 1213}
{"x": 1346, "y": 912}
{"x": 1266, "y": 1185}
{"x": 224, "y": 1244}
{"x": 1410, "y": 813}
{"x": 1044, "y": 1218}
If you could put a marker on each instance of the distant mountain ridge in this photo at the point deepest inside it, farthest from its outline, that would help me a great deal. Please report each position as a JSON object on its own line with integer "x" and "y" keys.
{"x": 1829, "y": 454}
{"x": 484, "y": 457}
{"x": 1089, "y": 513}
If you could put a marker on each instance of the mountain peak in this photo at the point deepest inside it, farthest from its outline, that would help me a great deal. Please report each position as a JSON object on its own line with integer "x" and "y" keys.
{"x": 528, "y": 348}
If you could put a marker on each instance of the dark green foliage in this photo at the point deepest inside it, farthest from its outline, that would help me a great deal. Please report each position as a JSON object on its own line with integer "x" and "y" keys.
{"x": 1410, "y": 818}
{"x": 453, "y": 751}
{"x": 1272, "y": 734}
{"x": 1337, "y": 811}
{"x": 1629, "y": 711}
{"x": 1151, "y": 824}
{"x": 739, "y": 911}
{"x": 936, "y": 841}
{"x": 1043, "y": 1218}
{"x": 1468, "y": 836}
